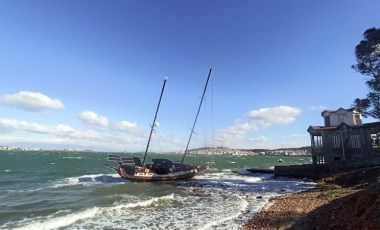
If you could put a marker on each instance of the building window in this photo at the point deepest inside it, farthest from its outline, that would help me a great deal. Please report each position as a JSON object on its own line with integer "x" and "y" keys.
{"x": 336, "y": 141}
{"x": 341, "y": 118}
{"x": 321, "y": 160}
{"x": 317, "y": 142}
{"x": 357, "y": 119}
{"x": 327, "y": 121}
{"x": 355, "y": 141}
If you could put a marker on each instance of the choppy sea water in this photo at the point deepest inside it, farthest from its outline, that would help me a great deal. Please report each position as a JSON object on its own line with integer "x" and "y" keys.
{"x": 62, "y": 190}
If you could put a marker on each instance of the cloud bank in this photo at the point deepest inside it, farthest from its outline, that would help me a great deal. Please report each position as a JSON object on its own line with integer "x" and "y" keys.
{"x": 63, "y": 134}
{"x": 60, "y": 130}
{"x": 130, "y": 137}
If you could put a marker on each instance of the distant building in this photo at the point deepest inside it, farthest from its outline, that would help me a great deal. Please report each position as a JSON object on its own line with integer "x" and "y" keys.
{"x": 344, "y": 138}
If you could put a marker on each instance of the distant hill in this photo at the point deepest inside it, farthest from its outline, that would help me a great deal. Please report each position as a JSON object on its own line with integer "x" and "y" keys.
{"x": 255, "y": 150}
{"x": 225, "y": 150}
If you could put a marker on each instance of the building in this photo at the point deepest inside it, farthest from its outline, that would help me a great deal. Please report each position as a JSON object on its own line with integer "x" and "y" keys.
{"x": 344, "y": 138}
{"x": 348, "y": 116}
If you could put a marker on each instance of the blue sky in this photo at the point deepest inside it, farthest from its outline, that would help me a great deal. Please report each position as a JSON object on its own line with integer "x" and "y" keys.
{"x": 87, "y": 74}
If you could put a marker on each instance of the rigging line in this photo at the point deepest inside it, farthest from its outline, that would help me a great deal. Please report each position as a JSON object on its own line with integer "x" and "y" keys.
{"x": 190, "y": 100}
{"x": 154, "y": 120}
{"x": 196, "y": 117}
{"x": 192, "y": 73}
{"x": 205, "y": 123}
{"x": 212, "y": 112}
{"x": 142, "y": 118}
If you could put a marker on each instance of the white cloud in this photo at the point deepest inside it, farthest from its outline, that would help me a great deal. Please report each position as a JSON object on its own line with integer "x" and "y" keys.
{"x": 260, "y": 141}
{"x": 238, "y": 135}
{"x": 65, "y": 135}
{"x": 255, "y": 121}
{"x": 61, "y": 130}
{"x": 65, "y": 129}
{"x": 31, "y": 101}
{"x": 93, "y": 118}
{"x": 295, "y": 136}
{"x": 320, "y": 107}
{"x": 12, "y": 124}
{"x": 127, "y": 126}
{"x": 275, "y": 115}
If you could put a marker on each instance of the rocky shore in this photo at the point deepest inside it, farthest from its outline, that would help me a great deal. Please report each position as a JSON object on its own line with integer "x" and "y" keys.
{"x": 346, "y": 201}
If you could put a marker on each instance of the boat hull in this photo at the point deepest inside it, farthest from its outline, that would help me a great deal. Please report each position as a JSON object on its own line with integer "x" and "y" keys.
{"x": 140, "y": 175}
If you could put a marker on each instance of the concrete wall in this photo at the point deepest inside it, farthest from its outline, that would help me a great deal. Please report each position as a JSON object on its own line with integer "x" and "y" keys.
{"x": 316, "y": 171}
{"x": 312, "y": 171}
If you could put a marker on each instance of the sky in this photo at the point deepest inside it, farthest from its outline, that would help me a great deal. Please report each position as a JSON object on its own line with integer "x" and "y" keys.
{"x": 87, "y": 74}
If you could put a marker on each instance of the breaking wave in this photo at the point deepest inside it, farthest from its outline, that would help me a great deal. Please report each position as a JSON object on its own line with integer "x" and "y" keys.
{"x": 90, "y": 180}
{"x": 62, "y": 219}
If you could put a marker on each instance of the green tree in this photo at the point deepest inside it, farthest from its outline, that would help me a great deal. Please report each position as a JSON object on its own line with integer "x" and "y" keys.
{"x": 368, "y": 63}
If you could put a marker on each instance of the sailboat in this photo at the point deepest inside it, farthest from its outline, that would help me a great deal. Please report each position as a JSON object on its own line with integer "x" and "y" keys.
{"x": 132, "y": 168}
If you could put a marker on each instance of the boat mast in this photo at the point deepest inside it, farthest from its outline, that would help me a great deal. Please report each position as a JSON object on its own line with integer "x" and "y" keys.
{"x": 154, "y": 120}
{"x": 196, "y": 117}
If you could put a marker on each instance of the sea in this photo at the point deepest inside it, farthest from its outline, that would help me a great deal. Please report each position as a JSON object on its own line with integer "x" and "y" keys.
{"x": 75, "y": 190}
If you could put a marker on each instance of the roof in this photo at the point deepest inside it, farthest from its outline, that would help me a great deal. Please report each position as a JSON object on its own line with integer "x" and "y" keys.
{"x": 334, "y": 111}
{"x": 316, "y": 130}
{"x": 373, "y": 126}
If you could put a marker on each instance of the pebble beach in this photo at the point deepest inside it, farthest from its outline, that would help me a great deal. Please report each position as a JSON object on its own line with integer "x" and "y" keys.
{"x": 345, "y": 201}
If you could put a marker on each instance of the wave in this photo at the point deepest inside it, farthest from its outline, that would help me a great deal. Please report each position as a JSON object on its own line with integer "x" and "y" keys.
{"x": 232, "y": 176}
{"x": 90, "y": 180}
{"x": 72, "y": 157}
{"x": 51, "y": 222}
{"x": 84, "y": 180}
{"x": 121, "y": 208}
{"x": 57, "y": 220}
{"x": 214, "y": 224}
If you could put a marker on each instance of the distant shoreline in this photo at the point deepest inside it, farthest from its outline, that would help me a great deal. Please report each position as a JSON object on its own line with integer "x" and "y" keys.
{"x": 301, "y": 151}
{"x": 44, "y": 150}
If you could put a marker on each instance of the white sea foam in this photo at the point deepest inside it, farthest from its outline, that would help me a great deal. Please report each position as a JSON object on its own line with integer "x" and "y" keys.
{"x": 213, "y": 224}
{"x": 52, "y": 222}
{"x": 252, "y": 179}
{"x": 122, "y": 207}
{"x": 84, "y": 180}
{"x": 230, "y": 179}
{"x": 57, "y": 220}
{"x": 72, "y": 157}
{"x": 89, "y": 180}
{"x": 7, "y": 170}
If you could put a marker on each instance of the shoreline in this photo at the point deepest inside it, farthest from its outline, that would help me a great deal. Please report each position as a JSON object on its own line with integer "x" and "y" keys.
{"x": 343, "y": 201}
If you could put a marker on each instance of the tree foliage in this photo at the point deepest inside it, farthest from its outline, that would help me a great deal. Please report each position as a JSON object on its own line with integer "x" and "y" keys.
{"x": 368, "y": 63}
